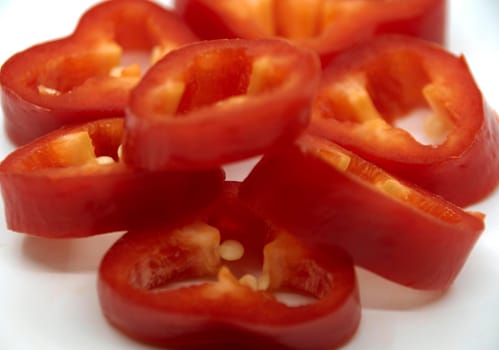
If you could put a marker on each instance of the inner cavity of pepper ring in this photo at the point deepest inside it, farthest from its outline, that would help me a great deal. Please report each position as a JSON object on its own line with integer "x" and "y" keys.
{"x": 396, "y": 90}
{"x": 120, "y": 59}
{"x": 220, "y": 78}
{"x": 229, "y": 262}
{"x": 82, "y": 147}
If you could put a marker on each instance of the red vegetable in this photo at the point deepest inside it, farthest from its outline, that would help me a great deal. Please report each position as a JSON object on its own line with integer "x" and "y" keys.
{"x": 215, "y": 102}
{"x": 366, "y": 91}
{"x": 137, "y": 295}
{"x": 85, "y": 76}
{"x": 325, "y": 26}
{"x": 70, "y": 183}
{"x": 330, "y": 197}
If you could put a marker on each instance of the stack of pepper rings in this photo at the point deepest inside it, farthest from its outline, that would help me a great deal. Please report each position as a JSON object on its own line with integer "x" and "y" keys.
{"x": 144, "y": 146}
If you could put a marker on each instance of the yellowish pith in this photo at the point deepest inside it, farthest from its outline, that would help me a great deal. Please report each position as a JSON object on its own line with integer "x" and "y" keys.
{"x": 354, "y": 91}
{"x": 250, "y": 281}
{"x": 394, "y": 188}
{"x": 266, "y": 73}
{"x": 130, "y": 71}
{"x": 200, "y": 234}
{"x": 259, "y": 73}
{"x": 337, "y": 159}
{"x": 74, "y": 149}
{"x": 167, "y": 97}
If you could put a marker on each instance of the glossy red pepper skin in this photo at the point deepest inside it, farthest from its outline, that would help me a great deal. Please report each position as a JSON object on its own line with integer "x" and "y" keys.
{"x": 328, "y": 196}
{"x": 215, "y": 102}
{"x": 365, "y": 91}
{"x": 328, "y": 27}
{"x": 136, "y": 296}
{"x": 70, "y": 80}
{"x": 54, "y": 186}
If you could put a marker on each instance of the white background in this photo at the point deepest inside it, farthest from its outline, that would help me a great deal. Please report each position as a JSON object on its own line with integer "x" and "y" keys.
{"x": 48, "y": 297}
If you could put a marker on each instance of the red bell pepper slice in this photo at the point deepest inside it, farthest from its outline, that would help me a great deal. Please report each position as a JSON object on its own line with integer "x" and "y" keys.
{"x": 328, "y": 196}
{"x": 139, "y": 288}
{"x": 220, "y": 101}
{"x": 71, "y": 183}
{"x": 86, "y": 76}
{"x": 366, "y": 91}
{"x": 326, "y": 26}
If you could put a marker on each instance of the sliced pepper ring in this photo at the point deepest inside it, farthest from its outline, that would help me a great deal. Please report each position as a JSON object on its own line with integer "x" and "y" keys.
{"x": 325, "y": 26}
{"x": 86, "y": 76}
{"x": 71, "y": 183}
{"x": 326, "y": 195}
{"x": 231, "y": 312}
{"x": 366, "y": 91}
{"x": 214, "y": 102}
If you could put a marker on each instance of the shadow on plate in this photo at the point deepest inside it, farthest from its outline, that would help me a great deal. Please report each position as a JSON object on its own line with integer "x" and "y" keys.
{"x": 379, "y": 293}
{"x": 67, "y": 255}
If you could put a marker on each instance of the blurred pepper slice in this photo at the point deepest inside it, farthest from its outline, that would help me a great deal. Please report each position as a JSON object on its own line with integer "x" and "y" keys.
{"x": 87, "y": 75}
{"x": 368, "y": 93}
{"x": 328, "y": 196}
{"x": 144, "y": 286}
{"x": 326, "y": 26}
{"x": 214, "y": 102}
{"x": 71, "y": 183}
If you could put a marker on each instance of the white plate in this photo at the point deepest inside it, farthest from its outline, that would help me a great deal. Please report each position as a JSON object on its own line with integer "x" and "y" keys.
{"x": 48, "y": 297}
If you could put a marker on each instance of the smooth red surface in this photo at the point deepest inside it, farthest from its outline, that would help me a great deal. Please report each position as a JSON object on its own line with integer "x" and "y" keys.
{"x": 395, "y": 71}
{"x": 51, "y": 187}
{"x": 402, "y": 233}
{"x": 136, "y": 297}
{"x": 326, "y": 26}
{"x": 215, "y": 102}
{"x": 78, "y": 67}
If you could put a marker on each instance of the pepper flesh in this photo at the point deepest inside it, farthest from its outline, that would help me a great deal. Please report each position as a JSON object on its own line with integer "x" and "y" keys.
{"x": 71, "y": 183}
{"x": 326, "y": 26}
{"x": 86, "y": 76}
{"x": 366, "y": 91}
{"x": 328, "y": 196}
{"x": 227, "y": 313}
